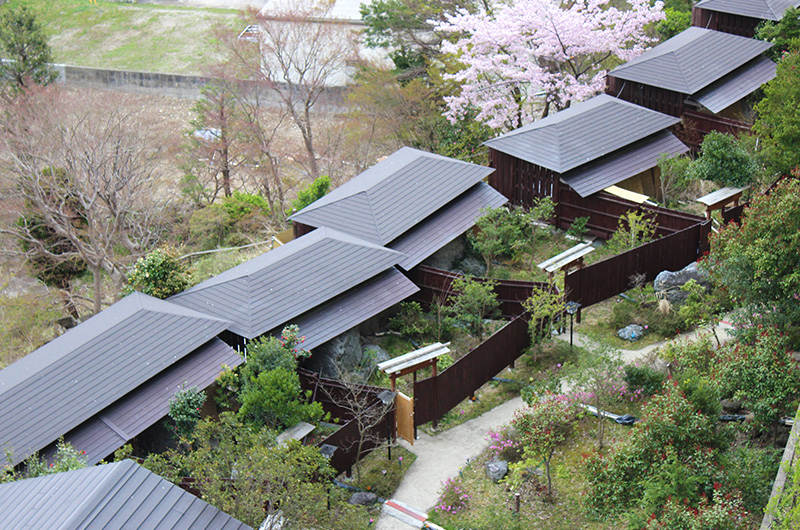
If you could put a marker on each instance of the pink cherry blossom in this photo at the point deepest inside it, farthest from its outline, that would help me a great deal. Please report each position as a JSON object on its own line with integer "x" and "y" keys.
{"x": 532, "y": 54}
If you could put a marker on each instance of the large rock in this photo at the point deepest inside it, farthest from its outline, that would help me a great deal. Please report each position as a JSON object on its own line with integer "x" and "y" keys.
{"x": 363, "y": 498}
{"x": 496, "y": 469}
{"x": 670, "y": 283}
{"x": 274, "y": 521}
{"x": 632, "y": 332}
{"x": 447, "y": 256}
{"x": 472, "y": 266}
{"x": 341, "y": 354}
{"x": 375, "y": 352}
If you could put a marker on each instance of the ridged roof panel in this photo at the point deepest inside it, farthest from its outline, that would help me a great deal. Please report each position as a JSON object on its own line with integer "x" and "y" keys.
{"x": 393, "y": 196}
{"x": 691, "y": 60}
{"x": 582, "y": 133}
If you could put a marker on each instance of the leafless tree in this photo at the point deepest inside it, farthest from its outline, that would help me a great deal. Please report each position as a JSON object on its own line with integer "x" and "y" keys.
{"x": 297, "y": 53}
{"x": 85, "y": 169}
{"x": 360, "y": 405}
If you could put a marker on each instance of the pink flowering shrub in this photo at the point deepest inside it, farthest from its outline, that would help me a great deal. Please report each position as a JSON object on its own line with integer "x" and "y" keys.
{"x": 453, "y": 497}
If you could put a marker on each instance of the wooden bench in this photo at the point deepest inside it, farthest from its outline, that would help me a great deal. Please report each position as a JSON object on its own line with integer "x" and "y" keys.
{"x": 572, "y": 257}
{"x": 717, "y": 200}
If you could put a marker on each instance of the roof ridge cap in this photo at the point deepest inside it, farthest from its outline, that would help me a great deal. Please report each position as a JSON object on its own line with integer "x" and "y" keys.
{"x": 99, "y": 489}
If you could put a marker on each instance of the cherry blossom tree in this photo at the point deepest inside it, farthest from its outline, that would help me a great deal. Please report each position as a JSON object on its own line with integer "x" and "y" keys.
{"x": 529, "y": 54}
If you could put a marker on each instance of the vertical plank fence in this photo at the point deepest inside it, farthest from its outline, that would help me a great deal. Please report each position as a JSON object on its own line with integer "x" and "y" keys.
{"x": 607, "y": 278}
{"x": 435, "y": 396}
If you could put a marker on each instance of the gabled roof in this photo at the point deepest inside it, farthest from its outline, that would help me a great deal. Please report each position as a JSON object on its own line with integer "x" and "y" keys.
{"x": 582, "y": 133}
{"x": 736, "y": 85}
{"x": 691, "y": 60}
{"x": 623, "y": 164}
{"x": 76, "y": 375}
{"x": 109, "y": 497}
{"x": 273, "y": 288}
{"x": 392, "y": 196}
{"x": 763, "y": 9}
{"x": 354, "y": 307}
{"x": 116, "y": 425}
{"x": 445, "y": 225}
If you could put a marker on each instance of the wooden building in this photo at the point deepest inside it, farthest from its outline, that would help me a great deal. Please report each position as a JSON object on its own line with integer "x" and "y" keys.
{"x": 738, "y": 17}
{"x": 701, "y": 75}
{"x": 576, "y": 154}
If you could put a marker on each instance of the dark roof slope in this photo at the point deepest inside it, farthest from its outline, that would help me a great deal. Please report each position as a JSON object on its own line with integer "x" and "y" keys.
{"x": 73, "y": 377}
{"x": 109, "y": 497}
{"x": 354, "y": 307}
{"x": 445, "y": 225}
{"x": 691, "y": 60}
{"x": 763, "y": 9}
{"x": 392, "y": 196}
{"x": 623, "y": 164}
{"x": 116, "y": 425}
{"x": 736, "y": 85}
{"x": 273, "y": 288}
{"x": 582, "y": 133}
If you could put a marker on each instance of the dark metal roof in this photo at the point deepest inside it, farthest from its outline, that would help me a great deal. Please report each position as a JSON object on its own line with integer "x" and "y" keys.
{"x": 393, "y": 196}
{"x": 446, "y": 224}
{"x": 354, "y": 307}
{"x": 115, "y": 496}
{"x": 764, "y": 9}
{"x": 582, "y": 133}
{"x": 691, "y": 60}
{"x": 736, "y": 85}
{"x": 281, "y": 284}
{"x": 623, "y": 164}
{"x": 118, "y": 424}
{"x": 73, "y": 377}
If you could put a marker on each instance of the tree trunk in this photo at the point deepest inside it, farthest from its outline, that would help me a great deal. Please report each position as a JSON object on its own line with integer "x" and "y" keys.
{"x": 98, "y": 289}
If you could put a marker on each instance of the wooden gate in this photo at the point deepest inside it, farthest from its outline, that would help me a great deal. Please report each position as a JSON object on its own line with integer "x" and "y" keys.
{"x": 405, "y": 417}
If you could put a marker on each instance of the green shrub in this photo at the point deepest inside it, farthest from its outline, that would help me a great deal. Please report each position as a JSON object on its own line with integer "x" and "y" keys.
{"x": 316, "y": 190}
{"x": 578, "y": 227}
{"x": 643, "y": 380}
{"x": 184, "y": 409}
{"x": 275, "y": 399}
{"x": 410, "y": 321}
{"x": 751, "y": 470}
{"x": 702, "y": 393}
{"x": 160, "y": 274}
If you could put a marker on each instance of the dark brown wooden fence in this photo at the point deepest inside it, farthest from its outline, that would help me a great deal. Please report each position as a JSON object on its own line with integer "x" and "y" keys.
{"x": 435, "y": 396}
{"x": 333, "y": 394}
{"x": 610, "y": 277}
{"x": 436, "y": 283}
{"x": 604, "y": 211}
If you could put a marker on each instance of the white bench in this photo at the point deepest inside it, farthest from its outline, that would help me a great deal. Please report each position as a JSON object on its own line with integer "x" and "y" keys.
{"x": 567, "y": 259}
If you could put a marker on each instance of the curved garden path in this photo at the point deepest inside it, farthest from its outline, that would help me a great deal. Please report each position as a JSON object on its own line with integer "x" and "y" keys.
{"x": 442, "y": 456}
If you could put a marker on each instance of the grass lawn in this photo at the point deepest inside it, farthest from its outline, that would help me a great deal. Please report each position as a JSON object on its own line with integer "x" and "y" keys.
{"x": 147, "y": 37}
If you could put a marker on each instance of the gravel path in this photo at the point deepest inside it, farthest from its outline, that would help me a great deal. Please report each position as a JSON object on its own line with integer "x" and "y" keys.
{"x": 440, "y": 457}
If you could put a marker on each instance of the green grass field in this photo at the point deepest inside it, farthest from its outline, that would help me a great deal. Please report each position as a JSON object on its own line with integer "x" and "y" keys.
{"x": 127, "y": 36}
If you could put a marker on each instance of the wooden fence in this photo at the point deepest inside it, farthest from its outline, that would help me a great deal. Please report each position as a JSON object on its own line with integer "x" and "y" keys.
{"x": 604, "y": 211}
{"x": 610, "y": 277}
{"x": 435, "y": 284}
{"x": 435, "y": 396}
{"x": 333, "y": 395}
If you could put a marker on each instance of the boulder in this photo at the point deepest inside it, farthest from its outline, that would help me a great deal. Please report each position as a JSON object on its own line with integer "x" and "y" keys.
{"x": 496, "y": 469}
{"x": 363, "y": 498}
{"x": 472, "y": 266}
{"x": 671, "y": 282}
{"x": 730, "y": 406}
{"x": 632, "y": 332}
{"x": 341, "y": 354}
{"x": 448, "y": 255}
{"x": 377, "y": 353}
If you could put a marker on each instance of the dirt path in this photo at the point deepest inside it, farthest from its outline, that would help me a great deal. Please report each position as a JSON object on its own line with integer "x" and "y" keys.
{"x": 440, "y": 457}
